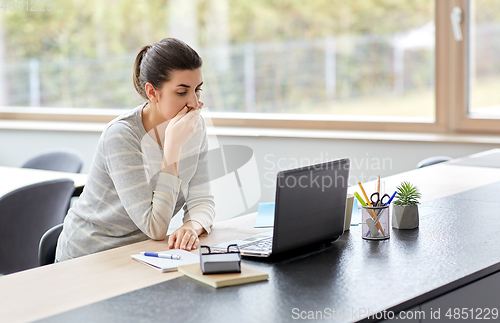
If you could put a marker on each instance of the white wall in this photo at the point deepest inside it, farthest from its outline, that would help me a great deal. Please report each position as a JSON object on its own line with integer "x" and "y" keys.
{"x": 17, "y": 146}
{"x": 368, "y": 158}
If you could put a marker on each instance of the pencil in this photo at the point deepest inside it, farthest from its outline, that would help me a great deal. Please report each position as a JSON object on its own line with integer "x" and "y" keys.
{"x": 364, "y": 193}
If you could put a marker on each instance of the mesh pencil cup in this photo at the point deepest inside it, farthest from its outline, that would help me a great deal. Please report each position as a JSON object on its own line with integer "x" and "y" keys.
{"x": 375, "y": 222}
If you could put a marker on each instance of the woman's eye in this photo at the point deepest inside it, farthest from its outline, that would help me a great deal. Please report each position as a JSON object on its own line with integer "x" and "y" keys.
{"x": 181, "y": 93}
{"x": 199, "y": 90}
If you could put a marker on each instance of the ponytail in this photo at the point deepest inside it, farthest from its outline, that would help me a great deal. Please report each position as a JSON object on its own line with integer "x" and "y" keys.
{"x": 139, "y": 86}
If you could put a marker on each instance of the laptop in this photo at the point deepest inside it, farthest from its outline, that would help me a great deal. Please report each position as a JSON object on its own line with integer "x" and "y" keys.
{"x": 309, "y": 209}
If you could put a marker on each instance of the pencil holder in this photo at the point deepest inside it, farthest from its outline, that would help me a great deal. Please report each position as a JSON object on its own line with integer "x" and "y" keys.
{"x": 375, "y": 222}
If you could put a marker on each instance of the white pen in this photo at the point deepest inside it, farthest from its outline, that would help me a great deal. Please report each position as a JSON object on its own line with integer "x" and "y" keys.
{"x": 161, "y": 255}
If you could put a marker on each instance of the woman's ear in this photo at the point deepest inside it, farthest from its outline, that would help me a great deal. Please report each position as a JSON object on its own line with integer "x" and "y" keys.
{"x": 151, "y": 92}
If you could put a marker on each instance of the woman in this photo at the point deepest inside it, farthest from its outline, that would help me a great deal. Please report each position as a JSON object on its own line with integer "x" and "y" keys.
{"x": 149, "y": 163}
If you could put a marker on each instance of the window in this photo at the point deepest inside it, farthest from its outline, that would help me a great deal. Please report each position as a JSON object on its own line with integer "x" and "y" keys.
{"x": 483, "y": 67}
{"x": 467, "y": 98}
{"x": 324, "y": 64}
{"x": 483, "y": 63}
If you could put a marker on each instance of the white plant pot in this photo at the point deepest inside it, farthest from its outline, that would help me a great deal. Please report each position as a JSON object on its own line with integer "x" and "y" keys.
{"x": 405, "y": 216}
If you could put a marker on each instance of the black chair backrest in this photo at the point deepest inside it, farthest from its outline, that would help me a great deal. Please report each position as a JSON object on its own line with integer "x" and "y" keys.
{"x": 25, "y": 215}
{"x": 48, "y": 244}
{"x": 433, "y": 160}
{"x": 61, "y": 160}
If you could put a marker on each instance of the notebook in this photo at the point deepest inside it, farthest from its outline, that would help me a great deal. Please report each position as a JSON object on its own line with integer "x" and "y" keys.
{"x": 265, "y": 216}
{"x": 166, "y": 265}
{"x": 247, "y": 275}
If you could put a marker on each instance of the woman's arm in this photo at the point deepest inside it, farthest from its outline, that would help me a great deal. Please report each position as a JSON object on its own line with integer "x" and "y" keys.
{"x": 178, "y": 131}
{"x": 199, "y": 210}
{"x": 149, "y": 207}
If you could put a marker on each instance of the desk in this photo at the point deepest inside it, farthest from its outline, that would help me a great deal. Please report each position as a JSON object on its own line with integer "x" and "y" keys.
{"x": 110, "y": 283}
{"x": 12, "y": 178}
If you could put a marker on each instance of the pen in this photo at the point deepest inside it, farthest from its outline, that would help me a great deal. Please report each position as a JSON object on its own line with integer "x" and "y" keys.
{"x": 390, "y": 200}
{"x": 378, "y": 190}
{"x": 161, "y": 255}
{"x": 359, "y": 199}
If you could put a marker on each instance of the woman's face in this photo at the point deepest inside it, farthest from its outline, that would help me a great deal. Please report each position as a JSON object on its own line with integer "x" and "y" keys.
{"x": 183, "y": 89}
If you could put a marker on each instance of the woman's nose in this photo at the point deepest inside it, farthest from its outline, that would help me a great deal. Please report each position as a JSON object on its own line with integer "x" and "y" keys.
{"x": 193, "y": 101}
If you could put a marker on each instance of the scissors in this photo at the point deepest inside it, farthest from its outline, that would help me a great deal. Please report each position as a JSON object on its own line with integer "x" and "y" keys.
{"x": 379, "y": 200}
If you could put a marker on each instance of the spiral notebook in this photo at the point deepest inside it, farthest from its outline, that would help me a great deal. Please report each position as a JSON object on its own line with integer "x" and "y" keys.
{"x": 166, "y": 265}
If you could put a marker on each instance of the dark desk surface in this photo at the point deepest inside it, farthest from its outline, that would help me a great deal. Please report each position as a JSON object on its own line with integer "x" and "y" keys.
{"x": 455, "y": 245}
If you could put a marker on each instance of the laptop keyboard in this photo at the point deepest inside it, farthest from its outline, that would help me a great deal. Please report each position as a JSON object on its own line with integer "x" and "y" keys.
{"x": 260, "y": 245}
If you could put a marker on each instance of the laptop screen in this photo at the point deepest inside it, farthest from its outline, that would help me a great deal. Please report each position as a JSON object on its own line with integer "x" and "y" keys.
{"x": 310, "y": 205}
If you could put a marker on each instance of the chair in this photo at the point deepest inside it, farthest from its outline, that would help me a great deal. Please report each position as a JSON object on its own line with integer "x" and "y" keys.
{"x": 25, "y": 215}
{"x": 48, "y": 244}
{"x": 61, "y": 160}
{"x": 433, "y": 160}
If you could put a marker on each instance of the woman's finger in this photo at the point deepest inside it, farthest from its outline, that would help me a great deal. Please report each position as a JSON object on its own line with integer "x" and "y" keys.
{"x": 185, "y": 240}
{"x": 196, "y": 113}
{"x": 196, "y": 243}
{"x": 183, "y": 111}
{"x": 180, "y": 114}
{"x": 171, "y": 239}
{"x": 195, "y": 117}
{"x": 192, "y": 117}
{"x": 178, "y": 240}
{"x": 191, "y": 242}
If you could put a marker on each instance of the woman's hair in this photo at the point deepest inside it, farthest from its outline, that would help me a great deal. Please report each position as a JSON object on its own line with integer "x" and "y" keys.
{"x": 155, "y": 63}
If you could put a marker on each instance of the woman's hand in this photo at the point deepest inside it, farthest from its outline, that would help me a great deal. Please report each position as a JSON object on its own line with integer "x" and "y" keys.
{"x": 186, "y": 237}
{"x": 182, "y": 126}
{"x": 178, "y": 131}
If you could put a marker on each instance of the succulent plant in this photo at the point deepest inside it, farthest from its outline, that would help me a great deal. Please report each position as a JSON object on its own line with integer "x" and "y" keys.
{"x": 407, "y": 194}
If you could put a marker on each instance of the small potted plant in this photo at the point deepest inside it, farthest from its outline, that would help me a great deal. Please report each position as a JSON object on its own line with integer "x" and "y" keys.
{"x": 405, "y": 208}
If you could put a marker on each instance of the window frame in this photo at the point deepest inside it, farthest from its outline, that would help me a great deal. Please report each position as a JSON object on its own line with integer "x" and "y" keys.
{"x": 450, "y": 98}
{"x": 459, "y": 53}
